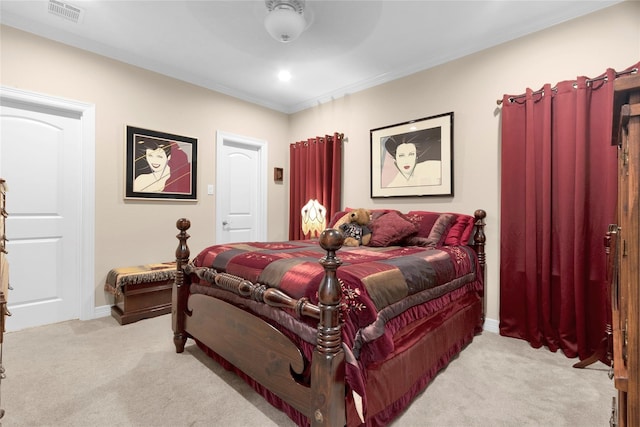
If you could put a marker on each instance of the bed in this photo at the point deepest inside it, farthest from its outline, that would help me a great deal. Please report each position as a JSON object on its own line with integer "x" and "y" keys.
{"x": 337, "y": 335}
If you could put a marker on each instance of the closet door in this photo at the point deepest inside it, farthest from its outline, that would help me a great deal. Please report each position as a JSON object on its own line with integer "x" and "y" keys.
{"x": 40, "y": 157}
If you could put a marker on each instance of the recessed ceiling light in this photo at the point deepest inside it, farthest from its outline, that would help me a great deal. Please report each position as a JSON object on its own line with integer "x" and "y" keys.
{"x": 284, "y": 76}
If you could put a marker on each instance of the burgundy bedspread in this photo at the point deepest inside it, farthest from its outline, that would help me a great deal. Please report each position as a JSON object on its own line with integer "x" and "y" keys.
{"x": 385, "y": 291}
{"x": 384, "y": 288}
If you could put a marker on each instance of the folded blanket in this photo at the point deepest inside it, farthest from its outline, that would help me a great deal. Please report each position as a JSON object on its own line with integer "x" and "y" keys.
{"x": 119, "y": 277}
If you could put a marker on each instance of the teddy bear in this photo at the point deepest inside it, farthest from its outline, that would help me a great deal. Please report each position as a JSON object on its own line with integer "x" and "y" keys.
{"x": 354, "y": 227}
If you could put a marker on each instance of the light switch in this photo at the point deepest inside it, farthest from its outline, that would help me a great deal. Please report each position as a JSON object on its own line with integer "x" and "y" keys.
{"x": 210, "y": 189}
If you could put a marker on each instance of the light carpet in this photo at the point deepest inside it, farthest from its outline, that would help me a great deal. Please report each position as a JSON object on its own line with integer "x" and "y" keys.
{"x": 98, "y": 373}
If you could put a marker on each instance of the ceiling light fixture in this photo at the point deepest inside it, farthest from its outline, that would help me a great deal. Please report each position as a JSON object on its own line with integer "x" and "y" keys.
{"x": 284, "y": 76}
{"x": 285, "y": 21}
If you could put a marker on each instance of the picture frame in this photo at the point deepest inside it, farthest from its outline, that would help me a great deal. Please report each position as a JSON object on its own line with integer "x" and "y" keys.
{"x": 160, "y": 165}
{"x": 278, "y": 174}
{"x": 413, "y": 159}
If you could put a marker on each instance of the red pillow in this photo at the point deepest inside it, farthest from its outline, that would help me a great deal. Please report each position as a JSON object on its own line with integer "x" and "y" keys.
{"x": 390, "y": 229}
{"x": 424, "y": 221}
{"x": 337, "y": 216}
{"x": 375, "y": 214}
{"x": 460, "y": 232}
{"x": 437, "y": 234}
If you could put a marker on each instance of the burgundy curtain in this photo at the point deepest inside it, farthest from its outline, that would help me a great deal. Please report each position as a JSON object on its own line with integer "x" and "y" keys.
{"x": 316, "y": 173}
{"x": 559, "y": 193}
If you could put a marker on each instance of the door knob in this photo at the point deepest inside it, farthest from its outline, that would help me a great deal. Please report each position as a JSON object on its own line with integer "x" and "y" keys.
{"x": 225, "y": 223}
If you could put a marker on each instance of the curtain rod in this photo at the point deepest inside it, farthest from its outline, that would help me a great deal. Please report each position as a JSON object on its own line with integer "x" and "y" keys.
{"x": 329, "y": 138}
{"x": 589, "y": 81}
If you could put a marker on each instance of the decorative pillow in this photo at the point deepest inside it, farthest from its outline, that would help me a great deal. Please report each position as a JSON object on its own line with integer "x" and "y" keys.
{"x": 424, "y": 221}
{"x": 468, "y": 231}
{"x": 337, "y": 217}
{"x": 460, "y": 232}
{"x": 390, "y": 228}
{"x": 375, "y": 214}
{"x": 437, "y": 234}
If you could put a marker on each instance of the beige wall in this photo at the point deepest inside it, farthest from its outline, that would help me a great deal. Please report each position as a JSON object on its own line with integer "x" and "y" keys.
{"x": 137, "y": 232}
{"x": 470, "y": 87}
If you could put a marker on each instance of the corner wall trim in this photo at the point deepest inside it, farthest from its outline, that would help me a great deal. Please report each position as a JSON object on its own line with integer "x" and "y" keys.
{"x": 102, "y": 311}
{"x": 491, "y": 325}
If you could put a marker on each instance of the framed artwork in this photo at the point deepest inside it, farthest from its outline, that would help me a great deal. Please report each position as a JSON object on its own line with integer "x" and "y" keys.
{"x": 160, "y": 165}
{"x": 278, "y": 174}
{"x": 413, "y": 159}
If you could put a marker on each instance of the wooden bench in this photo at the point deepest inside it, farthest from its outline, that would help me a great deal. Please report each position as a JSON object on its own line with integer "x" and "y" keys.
{"x": 141, "y": 292}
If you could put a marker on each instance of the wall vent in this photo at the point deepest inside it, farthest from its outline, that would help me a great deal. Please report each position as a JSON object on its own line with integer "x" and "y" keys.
{"x": 66, "y": 11}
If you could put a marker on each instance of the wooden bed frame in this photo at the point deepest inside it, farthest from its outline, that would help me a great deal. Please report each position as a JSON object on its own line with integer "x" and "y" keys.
{"x": 264, "y": 353}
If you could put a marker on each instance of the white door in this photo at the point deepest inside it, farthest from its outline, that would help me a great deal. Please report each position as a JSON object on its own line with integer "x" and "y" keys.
{"x": 241, "y": 189}
{"x": 41, "y": 160}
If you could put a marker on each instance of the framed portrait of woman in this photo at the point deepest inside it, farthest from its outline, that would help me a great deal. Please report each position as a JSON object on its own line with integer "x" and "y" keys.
{"x": 413, "y": 159}
{"x": 160, "y": 165}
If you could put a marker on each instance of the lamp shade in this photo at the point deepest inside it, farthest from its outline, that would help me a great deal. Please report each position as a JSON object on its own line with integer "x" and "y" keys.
{"x": 314, "y": 218}
{"x": 284, "y": 24}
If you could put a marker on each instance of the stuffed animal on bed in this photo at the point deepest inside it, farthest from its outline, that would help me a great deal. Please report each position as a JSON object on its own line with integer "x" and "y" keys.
{"x": 354, "y": 227}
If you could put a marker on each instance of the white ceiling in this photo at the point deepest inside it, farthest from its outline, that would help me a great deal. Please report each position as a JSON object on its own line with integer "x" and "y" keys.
{"x": 347, "y": 47}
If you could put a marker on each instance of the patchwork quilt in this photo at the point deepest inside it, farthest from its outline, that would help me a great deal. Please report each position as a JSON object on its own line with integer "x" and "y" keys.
{"x": 385, "y": 292}
{"x": 384, "y": 288}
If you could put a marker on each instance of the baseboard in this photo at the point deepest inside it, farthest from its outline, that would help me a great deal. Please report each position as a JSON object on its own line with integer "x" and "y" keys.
{"x": 102, "y": 311}
{"x": 491, "y": 325}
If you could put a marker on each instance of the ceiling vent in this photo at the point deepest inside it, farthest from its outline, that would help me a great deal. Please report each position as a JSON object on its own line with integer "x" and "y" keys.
{"x": 66, "y": 11}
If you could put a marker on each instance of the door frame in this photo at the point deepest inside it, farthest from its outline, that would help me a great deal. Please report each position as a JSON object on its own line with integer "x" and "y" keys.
{"x": 87, "y": 115}
{"x": 224, "y": 138}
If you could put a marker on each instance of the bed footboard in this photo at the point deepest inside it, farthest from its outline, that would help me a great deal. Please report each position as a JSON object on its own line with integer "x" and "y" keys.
{"x": 479, "y": 240}
{"x": 323, "y": 402}
{"x": 327, "y": 369}
{"x": 181, "y": 284}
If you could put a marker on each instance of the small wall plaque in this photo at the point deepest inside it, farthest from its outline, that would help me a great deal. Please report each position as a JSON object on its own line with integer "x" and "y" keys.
{"x": 278, "y": 174}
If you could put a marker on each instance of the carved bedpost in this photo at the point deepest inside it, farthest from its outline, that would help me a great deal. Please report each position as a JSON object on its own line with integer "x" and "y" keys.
{"x": 180, "y": 288}
{"x": 479, "y": 239}
{"x": 327, "y": 370}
